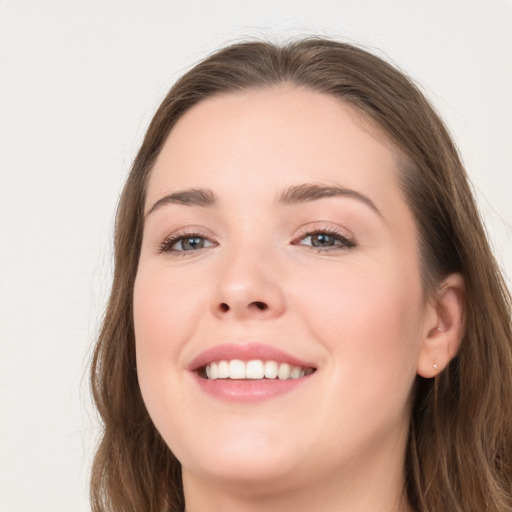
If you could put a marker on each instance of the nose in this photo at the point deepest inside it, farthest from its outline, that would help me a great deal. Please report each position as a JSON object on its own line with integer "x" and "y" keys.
{"x": 248, "y": 287}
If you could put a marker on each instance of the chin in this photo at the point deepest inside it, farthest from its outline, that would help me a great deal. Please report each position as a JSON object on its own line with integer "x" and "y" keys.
{"x": 244, "y": 460}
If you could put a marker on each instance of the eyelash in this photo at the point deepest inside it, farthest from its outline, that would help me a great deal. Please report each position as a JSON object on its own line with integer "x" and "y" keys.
{"x": 170, "y": 241}
{"x": 346, "y": 243}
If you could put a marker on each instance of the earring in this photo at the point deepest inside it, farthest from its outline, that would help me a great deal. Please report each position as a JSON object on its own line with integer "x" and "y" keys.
{"x": 434, "y": 366}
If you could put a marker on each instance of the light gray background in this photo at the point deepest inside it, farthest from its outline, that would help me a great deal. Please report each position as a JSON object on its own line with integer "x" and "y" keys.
{"x": 79, "y": 83}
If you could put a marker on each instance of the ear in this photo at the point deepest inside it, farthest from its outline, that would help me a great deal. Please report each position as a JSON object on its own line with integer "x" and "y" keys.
{"x": 444, "y": 327}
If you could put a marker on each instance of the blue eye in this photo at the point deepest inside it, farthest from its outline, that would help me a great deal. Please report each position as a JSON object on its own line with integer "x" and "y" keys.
{"x": 326, "y": 240}
{"x": 323, "y": 240}
{"x": 185, "y": 243}
{"x": 191, "y": 243}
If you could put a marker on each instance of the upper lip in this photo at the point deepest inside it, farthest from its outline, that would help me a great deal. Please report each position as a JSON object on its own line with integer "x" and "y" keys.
{"x": 245, "y": 352}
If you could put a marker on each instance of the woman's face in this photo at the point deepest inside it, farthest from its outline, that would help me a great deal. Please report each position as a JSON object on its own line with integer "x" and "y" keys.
{"x": 276, "y": 233}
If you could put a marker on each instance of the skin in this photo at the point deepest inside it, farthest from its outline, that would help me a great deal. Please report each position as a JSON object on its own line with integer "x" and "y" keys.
{"x": 357, "y": 312}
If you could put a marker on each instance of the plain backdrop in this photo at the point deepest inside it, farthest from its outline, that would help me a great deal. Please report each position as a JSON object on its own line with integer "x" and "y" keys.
{"x": 79, "y": 82}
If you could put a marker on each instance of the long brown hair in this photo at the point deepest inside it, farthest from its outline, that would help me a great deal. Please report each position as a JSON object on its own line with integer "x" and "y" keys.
{"x": 459, "y": 454}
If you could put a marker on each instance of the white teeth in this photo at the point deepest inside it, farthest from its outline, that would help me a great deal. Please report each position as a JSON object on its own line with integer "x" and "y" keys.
{"x": 295, "y": 372}
{"x": 284, "y": 371}
{"x": 271, "y": 369}
{"x": 236, "y": 369}
{"x": 254, "y": 370}
{"x": 223, "y": 369}
{"x": 214, "y": 371}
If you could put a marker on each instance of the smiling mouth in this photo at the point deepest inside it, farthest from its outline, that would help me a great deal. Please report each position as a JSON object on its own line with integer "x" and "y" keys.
{"x": 256, "y": 369}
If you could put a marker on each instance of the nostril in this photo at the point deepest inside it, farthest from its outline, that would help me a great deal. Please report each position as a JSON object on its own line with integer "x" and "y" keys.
{"x": 260, "y": 305}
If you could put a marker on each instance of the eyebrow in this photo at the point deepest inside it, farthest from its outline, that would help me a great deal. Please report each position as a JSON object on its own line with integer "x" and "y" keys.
{"x": 312, "y": 192}
{"x": 296, "y": 194}
{"x": 191, "y": 197}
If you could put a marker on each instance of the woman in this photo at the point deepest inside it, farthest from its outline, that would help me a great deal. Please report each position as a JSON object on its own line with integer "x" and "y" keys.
{"x": 305, "y": 313}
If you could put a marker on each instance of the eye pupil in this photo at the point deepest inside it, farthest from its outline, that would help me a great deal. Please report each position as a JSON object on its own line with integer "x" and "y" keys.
{"x": 192, "y": 243}
{"x": 322, "y": 240}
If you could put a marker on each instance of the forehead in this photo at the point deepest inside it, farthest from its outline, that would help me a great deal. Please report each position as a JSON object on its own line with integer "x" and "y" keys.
{"x": 278, "y": 136}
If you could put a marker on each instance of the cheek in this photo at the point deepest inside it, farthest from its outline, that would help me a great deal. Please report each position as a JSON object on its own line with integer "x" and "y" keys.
{"x": 369, "y": 318}
{"x": 164, "y": 318}
{"x": 164, "y": 312}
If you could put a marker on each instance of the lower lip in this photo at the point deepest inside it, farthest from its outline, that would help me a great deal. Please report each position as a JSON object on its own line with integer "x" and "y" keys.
{"x": 232, "y": 390}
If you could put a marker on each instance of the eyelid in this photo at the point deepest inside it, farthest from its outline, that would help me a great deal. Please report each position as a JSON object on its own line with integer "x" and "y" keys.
{"x": 188, "y": 232}
{"x": 347, "y": 238}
